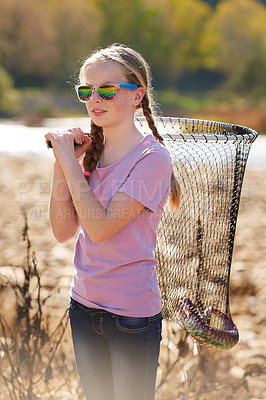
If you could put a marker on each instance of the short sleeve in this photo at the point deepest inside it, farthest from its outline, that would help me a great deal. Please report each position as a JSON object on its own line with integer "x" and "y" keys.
{"x": 150, "y": 179}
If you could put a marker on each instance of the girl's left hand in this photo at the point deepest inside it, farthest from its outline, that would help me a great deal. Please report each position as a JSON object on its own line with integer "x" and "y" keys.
{"x": 68, "y": 145}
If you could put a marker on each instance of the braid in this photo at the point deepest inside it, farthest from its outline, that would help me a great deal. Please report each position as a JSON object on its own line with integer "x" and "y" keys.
{"x": 175, "y": 188}
{"x": 95, "y": 149}
{"x": 149, "y": 118}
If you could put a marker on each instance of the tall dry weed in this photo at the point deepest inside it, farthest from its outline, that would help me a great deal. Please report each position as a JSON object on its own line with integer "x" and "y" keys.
{"x": 27, "y": 347}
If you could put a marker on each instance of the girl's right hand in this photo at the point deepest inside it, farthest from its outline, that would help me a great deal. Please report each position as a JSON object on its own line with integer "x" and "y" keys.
{"x": 80, "y": 149}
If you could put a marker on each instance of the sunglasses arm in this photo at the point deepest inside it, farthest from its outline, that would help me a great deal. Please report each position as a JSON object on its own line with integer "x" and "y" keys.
{"x": 49, "y": 143}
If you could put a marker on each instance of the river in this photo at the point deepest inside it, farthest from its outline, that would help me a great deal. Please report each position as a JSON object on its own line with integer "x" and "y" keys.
{"x": 21, "y": 140}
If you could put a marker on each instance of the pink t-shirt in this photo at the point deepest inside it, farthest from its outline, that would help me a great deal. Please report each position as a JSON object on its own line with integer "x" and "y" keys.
{"x": 119, "y": 274}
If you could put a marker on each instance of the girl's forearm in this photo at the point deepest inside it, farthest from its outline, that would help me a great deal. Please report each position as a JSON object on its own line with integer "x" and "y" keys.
{"x": 90, "y": 211}
{"x": 63, "y": 216}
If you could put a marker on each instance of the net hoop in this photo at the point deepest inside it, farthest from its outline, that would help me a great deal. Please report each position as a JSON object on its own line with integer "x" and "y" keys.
{"x": 200, "y": 130}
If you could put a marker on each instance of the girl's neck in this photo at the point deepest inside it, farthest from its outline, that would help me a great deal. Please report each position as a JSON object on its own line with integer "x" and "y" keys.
{"x": 121, "y": 138}
{"x": 118, "y": 144}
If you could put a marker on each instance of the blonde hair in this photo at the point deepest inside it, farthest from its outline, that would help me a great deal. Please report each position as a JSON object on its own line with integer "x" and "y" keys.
{"x": 137, "y": 72}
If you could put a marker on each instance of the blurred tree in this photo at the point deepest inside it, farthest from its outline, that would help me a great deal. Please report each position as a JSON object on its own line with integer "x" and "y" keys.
{"x": 41, "y": 41}
{"x": 250, "y": 82}
{"x": 76, "y": 27}
{"x": 212, "y": 3}
{"x": 134, "y": 23}
{"x": 9, "y": 97}
{"x": 26, "y": 37}
{"x": 184, "y": 21}
{"x": 167, "y": 32}
{"x": 235, "y": 43}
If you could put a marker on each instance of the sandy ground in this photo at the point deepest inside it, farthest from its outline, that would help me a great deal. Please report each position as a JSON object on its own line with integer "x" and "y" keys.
{"x": 239, "y": 373}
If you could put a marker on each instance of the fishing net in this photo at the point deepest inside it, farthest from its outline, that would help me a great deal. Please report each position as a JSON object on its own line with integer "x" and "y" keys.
{"x": 195, "y": 245}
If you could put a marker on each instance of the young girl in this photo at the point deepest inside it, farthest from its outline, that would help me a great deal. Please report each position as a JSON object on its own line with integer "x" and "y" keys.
{"x": 115, "y": 200}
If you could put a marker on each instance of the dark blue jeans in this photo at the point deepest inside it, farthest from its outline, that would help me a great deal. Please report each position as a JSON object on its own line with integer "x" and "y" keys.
{"x": 116, "y": 356}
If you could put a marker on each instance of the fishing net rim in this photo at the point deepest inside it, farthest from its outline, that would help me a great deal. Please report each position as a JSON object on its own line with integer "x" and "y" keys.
{"x": 218, "y": 131}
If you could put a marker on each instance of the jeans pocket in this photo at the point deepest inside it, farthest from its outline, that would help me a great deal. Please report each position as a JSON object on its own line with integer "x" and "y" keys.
{"x": 132, "y": 324}
{"x": 71, "y": 306}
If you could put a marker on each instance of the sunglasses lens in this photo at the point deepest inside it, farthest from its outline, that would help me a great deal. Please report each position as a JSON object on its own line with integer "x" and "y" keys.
{"x": 107, "y": 92}
{"x": 84, "y": 93}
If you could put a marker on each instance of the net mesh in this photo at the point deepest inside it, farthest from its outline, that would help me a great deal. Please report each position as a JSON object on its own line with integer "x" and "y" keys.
{"x": 195, "y": 245}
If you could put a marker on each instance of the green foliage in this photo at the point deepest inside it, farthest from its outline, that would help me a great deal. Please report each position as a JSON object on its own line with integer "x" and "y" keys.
{"x": 9, "y": 97}
{"x": 176, "y": 102}
{"x": 185, "y": 22}
{"x": 136, "y": 24}
{"x": 212, "y": 3}
{"x": 44, "y": 39}
{"x": 250, "y": 82}
{"x": 41, "y": 42}
{"x": 76, "y": 27}
{"x": 168, "y": 32}
{"x": 27, "y": 35}
{"x": 235, "y": 43}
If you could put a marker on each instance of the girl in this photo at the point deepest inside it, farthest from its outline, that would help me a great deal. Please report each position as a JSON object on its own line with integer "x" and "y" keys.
{"x": 115, "y": 200}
